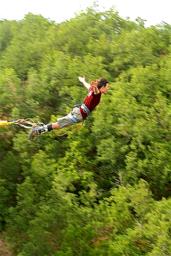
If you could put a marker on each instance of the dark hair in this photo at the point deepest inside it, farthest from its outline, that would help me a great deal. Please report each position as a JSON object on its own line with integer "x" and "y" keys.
{"x": 102, "y": 82}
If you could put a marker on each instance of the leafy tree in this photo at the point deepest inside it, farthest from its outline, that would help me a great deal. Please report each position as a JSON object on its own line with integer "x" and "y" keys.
{"x": 97, "y": 188}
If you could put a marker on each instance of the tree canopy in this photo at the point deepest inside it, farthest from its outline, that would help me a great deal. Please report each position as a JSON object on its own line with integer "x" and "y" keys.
{"x": 98, "y": 188}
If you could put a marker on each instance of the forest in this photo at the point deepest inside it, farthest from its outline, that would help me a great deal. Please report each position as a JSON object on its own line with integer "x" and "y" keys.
{"x": 97, "y": 188}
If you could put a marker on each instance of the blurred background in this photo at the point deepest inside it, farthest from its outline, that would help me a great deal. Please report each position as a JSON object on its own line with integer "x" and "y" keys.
{"x": 102, "y": 187}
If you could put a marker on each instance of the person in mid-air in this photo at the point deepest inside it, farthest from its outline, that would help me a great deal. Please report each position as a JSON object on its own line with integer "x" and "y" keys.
{"x": 79, "y": 113}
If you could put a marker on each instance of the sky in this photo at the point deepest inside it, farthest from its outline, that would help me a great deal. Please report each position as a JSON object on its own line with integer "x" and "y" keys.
{"x": 153, "y": 11}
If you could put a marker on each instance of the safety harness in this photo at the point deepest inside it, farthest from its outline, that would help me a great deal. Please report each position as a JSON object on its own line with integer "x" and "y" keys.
{"x": 85, "y": 109}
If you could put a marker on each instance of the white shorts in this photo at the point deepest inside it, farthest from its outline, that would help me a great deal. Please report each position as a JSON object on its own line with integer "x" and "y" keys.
{"x": 73, "y": 117}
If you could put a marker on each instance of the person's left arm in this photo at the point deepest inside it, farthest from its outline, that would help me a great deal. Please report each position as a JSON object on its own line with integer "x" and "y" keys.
{"x": 94, "y": 87}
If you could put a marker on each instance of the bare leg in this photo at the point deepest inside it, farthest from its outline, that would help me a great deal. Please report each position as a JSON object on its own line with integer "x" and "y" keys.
{"x": 63, "y": 121}
{"x": 55, "y": 126}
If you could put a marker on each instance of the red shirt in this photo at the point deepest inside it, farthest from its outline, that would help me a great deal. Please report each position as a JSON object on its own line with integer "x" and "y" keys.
{"x": 91, "y": 101}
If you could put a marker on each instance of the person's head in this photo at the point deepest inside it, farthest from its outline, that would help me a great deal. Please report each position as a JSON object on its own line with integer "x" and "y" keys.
{"x": 102, "y": 85}
{"x": 101, "y": 82}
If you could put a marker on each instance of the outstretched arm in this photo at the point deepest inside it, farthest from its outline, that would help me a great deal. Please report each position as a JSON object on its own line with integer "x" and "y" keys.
{"x": 83, "y": 81}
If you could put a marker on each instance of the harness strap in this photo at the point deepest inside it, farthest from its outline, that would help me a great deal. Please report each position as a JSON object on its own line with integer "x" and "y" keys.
{"x": 85, "y": 109}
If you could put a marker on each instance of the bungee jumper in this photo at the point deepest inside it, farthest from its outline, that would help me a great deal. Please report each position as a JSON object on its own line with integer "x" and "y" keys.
{"x": 79, "y": 113}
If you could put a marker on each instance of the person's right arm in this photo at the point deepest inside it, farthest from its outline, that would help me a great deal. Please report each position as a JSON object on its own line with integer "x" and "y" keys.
{"x": 83, "y": 81}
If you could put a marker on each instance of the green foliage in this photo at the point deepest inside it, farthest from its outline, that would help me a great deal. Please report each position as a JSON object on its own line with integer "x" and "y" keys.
{"x": 98, "y": 188}
{"x": 9, "y": 91}
{"x": 27, "y": 45}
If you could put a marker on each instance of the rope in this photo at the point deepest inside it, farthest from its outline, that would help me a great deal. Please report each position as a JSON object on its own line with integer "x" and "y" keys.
{"x": 25, "y": 123}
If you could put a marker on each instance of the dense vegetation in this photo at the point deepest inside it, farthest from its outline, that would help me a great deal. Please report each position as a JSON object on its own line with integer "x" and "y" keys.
{"x": 102, "y": 188}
